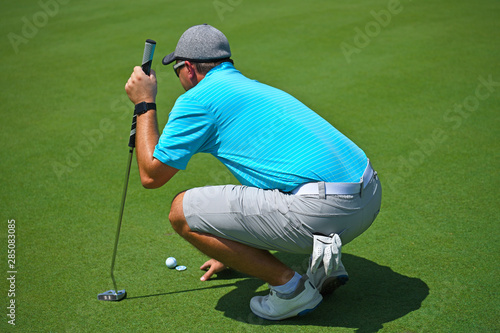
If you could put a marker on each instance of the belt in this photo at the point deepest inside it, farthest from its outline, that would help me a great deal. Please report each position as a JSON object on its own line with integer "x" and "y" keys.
{"x": 337, "y": 188}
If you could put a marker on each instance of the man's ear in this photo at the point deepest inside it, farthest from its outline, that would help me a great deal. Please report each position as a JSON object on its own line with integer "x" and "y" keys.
{"x": 193, "y": 75}
{"x": 191, "y": 69}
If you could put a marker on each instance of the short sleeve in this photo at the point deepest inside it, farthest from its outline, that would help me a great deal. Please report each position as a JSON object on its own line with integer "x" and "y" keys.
{"x": 190, "y": 129}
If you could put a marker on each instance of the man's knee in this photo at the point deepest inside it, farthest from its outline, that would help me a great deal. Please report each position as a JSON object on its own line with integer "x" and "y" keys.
{"x": 176, "y": 215}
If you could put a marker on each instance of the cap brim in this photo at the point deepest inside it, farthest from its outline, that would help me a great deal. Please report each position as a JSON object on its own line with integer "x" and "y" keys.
{"x": 168, "y": 59}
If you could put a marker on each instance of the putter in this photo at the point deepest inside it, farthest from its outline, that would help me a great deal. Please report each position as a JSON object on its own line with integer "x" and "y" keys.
{"x": 115, "y": 294}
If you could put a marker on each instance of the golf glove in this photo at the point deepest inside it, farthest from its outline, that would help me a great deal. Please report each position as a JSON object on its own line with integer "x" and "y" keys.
{"x": 328, "y": 250}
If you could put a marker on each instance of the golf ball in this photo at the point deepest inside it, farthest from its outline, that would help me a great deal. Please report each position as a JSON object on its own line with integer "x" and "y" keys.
{"x": 171, "y": 262}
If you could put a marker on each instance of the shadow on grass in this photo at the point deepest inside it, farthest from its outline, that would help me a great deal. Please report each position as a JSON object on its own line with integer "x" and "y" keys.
{"x": 373, "y": 296}
{"x": 181, "y": 291}
{"x": 224, "y": 275}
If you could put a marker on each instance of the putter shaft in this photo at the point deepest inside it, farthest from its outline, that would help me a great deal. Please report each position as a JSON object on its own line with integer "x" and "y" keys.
{"x": 122, "y": 207}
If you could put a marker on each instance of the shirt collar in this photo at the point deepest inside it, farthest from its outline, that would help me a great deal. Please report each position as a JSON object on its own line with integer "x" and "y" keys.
{"x": 221, "y": 67}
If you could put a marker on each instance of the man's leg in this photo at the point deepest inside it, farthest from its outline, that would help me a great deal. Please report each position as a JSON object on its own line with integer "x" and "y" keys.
{"x": 246, "y": 259}
{"x": 226, "y": 207}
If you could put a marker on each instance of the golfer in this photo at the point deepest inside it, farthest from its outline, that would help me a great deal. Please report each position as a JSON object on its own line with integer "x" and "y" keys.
{"x": 305, "y": 187}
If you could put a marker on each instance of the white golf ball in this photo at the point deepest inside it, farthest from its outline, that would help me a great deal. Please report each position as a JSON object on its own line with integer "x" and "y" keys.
{"x": 171, "y": 262}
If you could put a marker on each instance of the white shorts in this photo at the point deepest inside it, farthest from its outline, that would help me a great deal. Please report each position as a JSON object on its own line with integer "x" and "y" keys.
{"x": 273, "y": 220}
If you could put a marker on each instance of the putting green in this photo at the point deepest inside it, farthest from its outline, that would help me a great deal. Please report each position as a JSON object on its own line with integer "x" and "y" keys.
{"x": 416, "y": 84}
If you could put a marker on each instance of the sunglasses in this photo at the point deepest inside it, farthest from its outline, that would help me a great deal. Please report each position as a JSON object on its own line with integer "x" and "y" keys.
{"x": 178, "y": 66}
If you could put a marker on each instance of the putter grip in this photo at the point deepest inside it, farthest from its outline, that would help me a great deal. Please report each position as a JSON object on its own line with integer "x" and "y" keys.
{"x": 147, "y": 60}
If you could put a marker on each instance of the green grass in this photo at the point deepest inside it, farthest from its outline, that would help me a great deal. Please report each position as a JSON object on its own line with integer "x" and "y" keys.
{"x": 428, "y": 264}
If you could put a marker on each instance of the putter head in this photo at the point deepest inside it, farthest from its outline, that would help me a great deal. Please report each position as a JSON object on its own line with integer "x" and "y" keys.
{"x": 112, "y": 295}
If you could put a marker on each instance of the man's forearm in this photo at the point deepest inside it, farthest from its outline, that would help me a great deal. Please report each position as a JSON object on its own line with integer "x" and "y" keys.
{"x": 142, "y": 88}
{"x": 146, "y": 139}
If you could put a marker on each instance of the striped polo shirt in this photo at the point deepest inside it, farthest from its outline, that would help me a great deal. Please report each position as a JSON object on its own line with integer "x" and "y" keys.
{"x": 264, "y": 136}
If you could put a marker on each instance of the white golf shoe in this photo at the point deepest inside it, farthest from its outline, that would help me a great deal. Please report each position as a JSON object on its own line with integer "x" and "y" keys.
{"x": 327, "y": 284}
{"x": 277, "y": 306}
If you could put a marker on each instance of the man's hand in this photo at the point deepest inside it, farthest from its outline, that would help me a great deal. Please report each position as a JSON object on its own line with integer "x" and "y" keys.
{"x": 212, "y": 266}
{"x": 140, "y": 87}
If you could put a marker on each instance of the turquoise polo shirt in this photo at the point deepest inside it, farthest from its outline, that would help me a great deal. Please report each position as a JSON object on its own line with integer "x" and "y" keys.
{"x": 264, "y": 136}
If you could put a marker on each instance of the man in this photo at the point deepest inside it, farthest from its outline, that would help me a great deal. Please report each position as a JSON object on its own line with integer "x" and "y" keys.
{"x": 305, "y": 186}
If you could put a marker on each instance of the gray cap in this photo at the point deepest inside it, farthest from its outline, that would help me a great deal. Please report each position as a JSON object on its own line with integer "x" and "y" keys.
{"x": 200, "y": 43}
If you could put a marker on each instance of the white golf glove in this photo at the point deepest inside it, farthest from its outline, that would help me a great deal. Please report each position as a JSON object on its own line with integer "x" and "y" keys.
{"x": 328, "y": 249}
